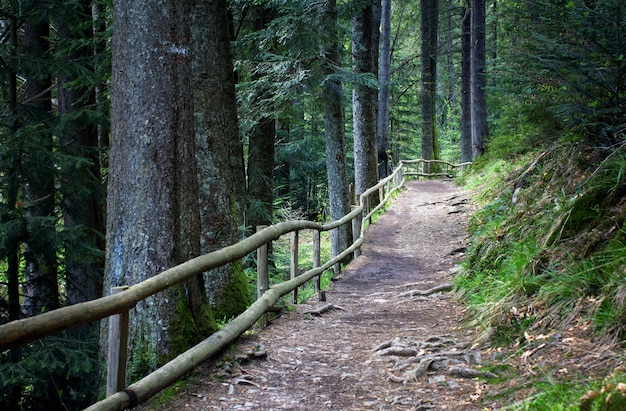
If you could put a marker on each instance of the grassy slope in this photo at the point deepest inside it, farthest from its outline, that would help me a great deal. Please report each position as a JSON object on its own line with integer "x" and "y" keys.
{"x": 548, "y": 254}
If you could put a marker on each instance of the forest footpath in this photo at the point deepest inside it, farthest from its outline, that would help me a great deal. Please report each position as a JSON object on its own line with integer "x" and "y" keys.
{"x": 389, "y": 336}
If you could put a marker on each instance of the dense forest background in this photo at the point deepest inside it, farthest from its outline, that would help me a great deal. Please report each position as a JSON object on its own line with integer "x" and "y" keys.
{"x": 133, "y": 137}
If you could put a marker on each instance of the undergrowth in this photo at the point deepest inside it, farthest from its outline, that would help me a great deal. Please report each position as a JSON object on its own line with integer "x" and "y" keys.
{"x": 548, "y": 251}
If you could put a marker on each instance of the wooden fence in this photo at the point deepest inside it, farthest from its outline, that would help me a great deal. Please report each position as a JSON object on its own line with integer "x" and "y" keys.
{"x": 444, "y": 168}
{"x": 118, "y": 304}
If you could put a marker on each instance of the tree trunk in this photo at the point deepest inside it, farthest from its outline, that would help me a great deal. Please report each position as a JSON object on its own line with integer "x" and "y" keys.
{"x": 430, "y": 18}
{"x": 14, "y": 391}
{"x": 479, "y": 79}
{"x": 221, "y": 178}
{"x": 364, "y": 99}
{"x": 80, "y": 185}
{"x": 384, "y": 76}
{"x": 261, "y": 153}
{"x": 152, "y": 205}
{"x": 82, "y": 194}
{"x": 41, "y": 287}
{"x": 466, "y": 94}
{"x": 451, "y": 103}
{"x": 334, "y": 133}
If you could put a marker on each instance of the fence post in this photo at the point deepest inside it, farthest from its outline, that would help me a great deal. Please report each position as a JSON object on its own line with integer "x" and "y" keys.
{"x": 356, "y": 232}
{"x": 293, "y": 267}
{"x": 317, "y": 257}
{"x": 262, "y": 270}
{"x": 118, "y": 348}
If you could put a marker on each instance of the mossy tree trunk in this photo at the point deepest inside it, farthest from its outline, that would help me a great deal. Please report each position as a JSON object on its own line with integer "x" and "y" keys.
{"x": 221, "y": 174}
{"x": 152, "y": 205}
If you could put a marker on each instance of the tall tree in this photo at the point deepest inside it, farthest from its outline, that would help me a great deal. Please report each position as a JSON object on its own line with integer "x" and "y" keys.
{"x": 384, "y": 78}
{"x": 261, "y": 149}
{"x": 429, "y": 32}
{"x": 41, "y": 285}
{"x": 365, "y": 95}
{"x": 466, "y": 82}
{"x": 152, "y": 203}
{"x": 80, "y": 180}
{"x": 221, "y": 175}
{"x": 334, "y": 133}
{"x": 480, "y": 129}
{"x": 81, "y": 191}
{"x": 13, "y": 217}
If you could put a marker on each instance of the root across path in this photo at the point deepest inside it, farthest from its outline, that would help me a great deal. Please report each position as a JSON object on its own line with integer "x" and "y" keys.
{"x": 388, "y": 336}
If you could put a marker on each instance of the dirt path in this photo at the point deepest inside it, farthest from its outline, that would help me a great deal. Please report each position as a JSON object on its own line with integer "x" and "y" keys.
{"x": 384, "y": 349}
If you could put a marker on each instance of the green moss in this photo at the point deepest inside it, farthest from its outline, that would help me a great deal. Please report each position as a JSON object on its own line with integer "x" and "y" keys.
{"x": 187, "y": 328}
{"x": 143, "y": 359}
{"x": 235, "y": 297}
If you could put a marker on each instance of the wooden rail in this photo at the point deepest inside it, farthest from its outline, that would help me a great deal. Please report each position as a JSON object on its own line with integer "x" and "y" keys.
{"x": 449, "y": 169}
{"x": 122, "y": 300}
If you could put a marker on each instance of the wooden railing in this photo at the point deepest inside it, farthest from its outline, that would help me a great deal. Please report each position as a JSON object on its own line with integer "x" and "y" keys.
{"x": 117, "y": 306}
{"x": 444, "y": 168}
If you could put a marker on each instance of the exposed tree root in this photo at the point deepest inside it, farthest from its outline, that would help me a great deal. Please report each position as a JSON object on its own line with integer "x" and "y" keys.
{"x": 321, "y": 310}
{"x": 430, "y": 291}
{"x": 436, "y": 354}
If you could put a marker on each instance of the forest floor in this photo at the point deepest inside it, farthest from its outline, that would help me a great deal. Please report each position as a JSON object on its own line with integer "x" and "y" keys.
{"x": 385, "y": 338}
{"x": 381, "y": 346}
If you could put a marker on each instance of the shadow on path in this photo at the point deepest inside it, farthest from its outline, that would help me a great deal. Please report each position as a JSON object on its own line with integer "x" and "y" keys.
{"x": 365, "y": 353}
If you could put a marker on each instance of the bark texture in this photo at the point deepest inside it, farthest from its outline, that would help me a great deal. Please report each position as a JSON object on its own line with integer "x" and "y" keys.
{"x": 384, "y": 93}
{"x": 221, "y": 177}
{"x": 479, "y": 78}
{"x": 41, "y": 287}
{"x": 261, "y": 150}
{"x": 430, "y": 19}
{"x": 466, "y": 82}
{"x": 83, "y": 208}
{"x": 152, "y": 205}
{"x": 365, "y": 97}
{"x": 334, "y": 133}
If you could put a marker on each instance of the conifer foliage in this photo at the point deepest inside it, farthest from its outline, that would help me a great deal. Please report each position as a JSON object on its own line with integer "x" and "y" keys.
{"x": 51, "y": 196}
{"x": 293, "y": 140}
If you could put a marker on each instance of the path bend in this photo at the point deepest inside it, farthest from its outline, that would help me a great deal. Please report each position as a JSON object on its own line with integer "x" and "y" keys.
{"x": 330, "y": 361}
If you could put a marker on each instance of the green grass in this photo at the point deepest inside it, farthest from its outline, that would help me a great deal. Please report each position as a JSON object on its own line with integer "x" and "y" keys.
{"x": 608, "y": 394}
{"x": 555, "y": 258}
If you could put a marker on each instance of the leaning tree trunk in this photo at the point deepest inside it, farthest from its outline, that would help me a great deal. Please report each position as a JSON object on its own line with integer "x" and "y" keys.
{"x": 152, "y": 204}
{"x": 334, "y": 133}
{"x": 466, "y": 91}
{"x": 430, "y": 19}
{"x": 221, "y": 177}
{"x": 384, "y": 76}
{"x": 480, "y": 130}
{"x": 40, "y": 251}
{"x": 364, "y": 100}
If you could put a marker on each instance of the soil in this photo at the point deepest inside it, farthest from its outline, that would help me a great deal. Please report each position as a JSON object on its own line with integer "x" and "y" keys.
{"x": 385, "y": 338}
{"x": 336, "y": 360}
